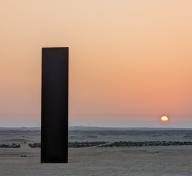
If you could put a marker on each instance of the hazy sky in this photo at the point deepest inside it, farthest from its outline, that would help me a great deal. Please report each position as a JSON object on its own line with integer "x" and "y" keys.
{"x": 130, "y": 60}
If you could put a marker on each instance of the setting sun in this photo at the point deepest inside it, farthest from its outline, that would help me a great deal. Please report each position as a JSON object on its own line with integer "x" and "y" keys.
{"x": 164, "y": 119}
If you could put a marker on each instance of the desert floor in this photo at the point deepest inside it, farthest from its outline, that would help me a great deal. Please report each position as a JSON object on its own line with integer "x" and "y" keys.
{"x": 94, "y": 161}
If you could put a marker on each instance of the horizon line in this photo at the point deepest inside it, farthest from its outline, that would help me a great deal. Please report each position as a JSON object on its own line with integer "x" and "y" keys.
{"x": 83, "y": 126}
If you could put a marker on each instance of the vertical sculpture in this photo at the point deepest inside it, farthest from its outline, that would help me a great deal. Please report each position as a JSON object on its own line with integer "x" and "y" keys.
{"x": 54, "y": 105}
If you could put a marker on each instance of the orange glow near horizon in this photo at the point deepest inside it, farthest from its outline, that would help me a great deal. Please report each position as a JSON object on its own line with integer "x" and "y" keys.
{"x": 130, "y": 61}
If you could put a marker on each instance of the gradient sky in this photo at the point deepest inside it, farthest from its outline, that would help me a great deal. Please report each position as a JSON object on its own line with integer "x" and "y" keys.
{"x": 130, "y": 60}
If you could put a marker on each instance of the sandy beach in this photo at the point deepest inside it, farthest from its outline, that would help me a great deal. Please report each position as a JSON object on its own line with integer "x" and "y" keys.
{"x": 97, "y": 161}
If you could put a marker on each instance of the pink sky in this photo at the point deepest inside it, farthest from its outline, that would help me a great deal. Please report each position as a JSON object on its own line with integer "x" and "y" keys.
{"x": 130, "y": 61}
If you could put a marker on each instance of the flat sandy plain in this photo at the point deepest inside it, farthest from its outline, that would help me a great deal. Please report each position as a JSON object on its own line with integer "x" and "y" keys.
{"x": 100, "y": 161}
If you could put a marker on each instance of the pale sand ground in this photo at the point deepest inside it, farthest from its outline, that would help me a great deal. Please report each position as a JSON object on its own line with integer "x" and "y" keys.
{"x": 136, "y": 161}
{"x": 96, "y": 161}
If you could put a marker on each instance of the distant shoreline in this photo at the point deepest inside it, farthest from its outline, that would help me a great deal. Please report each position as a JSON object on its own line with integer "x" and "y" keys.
{"x": 92, "y": 128}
